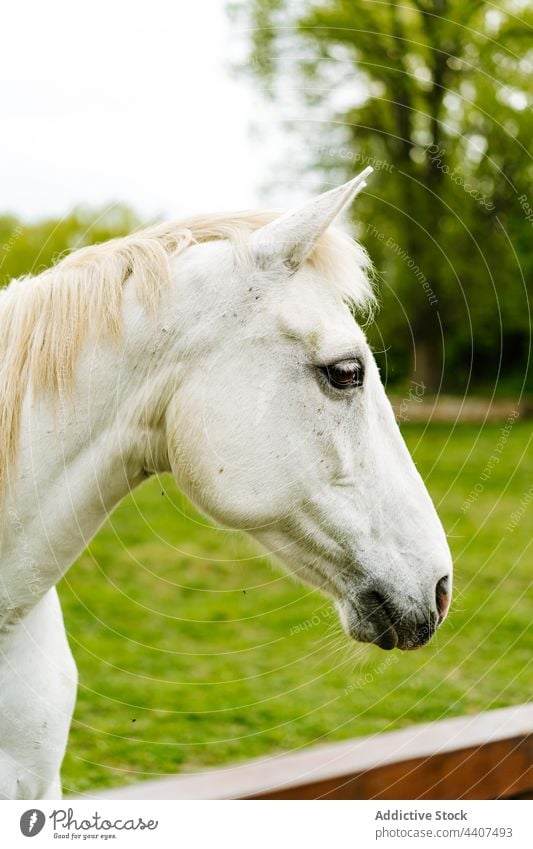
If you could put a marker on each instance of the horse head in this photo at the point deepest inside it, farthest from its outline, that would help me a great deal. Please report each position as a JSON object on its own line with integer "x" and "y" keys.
{"x": 281, "y": 427}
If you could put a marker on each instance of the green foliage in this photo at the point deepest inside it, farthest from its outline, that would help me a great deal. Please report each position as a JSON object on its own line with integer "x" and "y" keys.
{"x": 29, "y": 248}
{"x": 433, "y": 94}
{"x": 193, "y": 652}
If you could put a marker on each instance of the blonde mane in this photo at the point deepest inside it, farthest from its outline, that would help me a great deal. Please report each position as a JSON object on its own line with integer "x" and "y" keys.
{"x": 44, "y": 320}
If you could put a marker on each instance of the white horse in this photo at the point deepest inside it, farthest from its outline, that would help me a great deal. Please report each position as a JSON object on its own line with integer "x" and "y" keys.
{"x": 224, "y": 350}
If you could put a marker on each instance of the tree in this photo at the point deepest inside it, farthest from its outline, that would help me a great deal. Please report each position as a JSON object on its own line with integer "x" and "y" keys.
{"x": 29, "y": 248}
{"x": 433, "y": 94}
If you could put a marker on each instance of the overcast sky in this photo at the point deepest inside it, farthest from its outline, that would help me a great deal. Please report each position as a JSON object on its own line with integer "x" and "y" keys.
{"x": 129, "y": 101}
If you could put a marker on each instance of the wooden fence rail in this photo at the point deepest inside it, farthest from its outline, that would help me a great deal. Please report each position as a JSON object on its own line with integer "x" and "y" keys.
{"x": 486, "y": 756}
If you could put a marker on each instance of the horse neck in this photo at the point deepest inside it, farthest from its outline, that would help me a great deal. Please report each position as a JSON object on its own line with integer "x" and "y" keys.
{"x": 79, "y": 457}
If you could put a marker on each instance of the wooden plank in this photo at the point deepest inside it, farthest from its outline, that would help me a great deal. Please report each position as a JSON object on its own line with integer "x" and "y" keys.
{"x": 485, "y": 756}
{"x": 492, "y": 770}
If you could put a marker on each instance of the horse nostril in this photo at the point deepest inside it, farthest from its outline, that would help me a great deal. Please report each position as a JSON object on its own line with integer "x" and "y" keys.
{"x": 442, "y": 595}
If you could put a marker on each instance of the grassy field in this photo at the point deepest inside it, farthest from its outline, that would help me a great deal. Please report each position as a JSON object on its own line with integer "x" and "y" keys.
{"x": 193, "y": 651}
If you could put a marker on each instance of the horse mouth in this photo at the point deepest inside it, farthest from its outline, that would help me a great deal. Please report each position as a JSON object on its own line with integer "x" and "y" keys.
{"x": 391, "y": 638}
{"x": 387, "y": 639}
{"x": 381, "y": 629}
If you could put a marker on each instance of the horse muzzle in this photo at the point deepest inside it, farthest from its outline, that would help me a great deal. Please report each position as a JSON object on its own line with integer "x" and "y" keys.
{"x": 375, "y": 616}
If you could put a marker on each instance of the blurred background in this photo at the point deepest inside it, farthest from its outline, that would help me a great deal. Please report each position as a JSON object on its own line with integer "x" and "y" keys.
{"x": 191, "y": 650}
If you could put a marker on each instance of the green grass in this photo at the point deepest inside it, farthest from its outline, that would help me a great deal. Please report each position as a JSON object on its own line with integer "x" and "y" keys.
{"x": 193, "y": 652}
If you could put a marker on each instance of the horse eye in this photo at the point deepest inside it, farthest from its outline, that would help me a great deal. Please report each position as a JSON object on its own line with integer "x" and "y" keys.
{"x": 345, "y": 374}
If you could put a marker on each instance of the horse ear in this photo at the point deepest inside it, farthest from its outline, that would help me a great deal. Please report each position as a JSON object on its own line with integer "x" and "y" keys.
{"x": 292, "y": 236}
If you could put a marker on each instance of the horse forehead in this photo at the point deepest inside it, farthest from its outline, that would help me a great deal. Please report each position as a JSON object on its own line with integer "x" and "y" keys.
{"x": 317, "y": 317}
